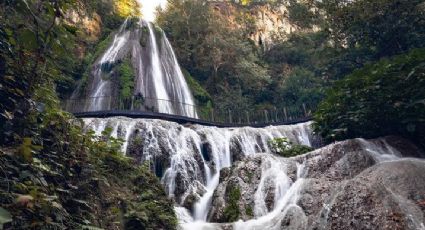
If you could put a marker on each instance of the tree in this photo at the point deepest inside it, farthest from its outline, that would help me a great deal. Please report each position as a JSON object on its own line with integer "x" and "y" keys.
{"x": 385, "y": 27}
{"x": 33, "y": 46}
{"x": 384, "y": 98}
{"x": 215, "y": 51}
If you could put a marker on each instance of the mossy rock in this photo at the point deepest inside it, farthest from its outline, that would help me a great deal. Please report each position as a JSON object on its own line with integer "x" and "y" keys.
{"x": 231, "y": 211}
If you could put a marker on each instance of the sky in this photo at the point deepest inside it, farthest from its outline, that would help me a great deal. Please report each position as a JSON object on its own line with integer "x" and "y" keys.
{"x": 148, "y": 8}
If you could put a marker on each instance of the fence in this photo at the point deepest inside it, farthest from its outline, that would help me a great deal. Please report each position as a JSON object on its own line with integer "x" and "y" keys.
{"x": 216, "y": 115}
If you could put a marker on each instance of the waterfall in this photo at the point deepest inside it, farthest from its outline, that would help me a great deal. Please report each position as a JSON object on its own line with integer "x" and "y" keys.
{"x": 197, "y": 164}
{"x": 189, "y": 159}
{"x": 159, "y": 80}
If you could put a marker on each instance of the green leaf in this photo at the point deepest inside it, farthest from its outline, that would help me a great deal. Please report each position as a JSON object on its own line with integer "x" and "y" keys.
{"x": 5, "y": 217}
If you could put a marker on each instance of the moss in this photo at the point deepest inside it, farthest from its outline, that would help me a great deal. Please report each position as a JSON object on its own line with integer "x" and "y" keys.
{"x": 250, "y": 175}
{"x": 231, "y": 211}
{"x": 126, "y": 79}
{"x": 249, "y": 211}
{"x": 91, "y": 57}
{"x": 145, "y": 36}
{"x": 202, "y": 97}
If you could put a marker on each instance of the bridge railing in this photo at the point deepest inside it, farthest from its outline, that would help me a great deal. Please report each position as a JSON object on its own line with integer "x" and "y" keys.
{"x": 223, "y": 115}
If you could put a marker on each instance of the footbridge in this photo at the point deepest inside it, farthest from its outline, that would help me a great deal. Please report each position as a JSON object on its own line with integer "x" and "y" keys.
{"x": 202, "y": 115}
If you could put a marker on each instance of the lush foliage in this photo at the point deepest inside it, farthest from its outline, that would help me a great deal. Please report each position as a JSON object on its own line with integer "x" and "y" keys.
{"x": 380, "y": 99}
{"x": 215, "y": 52}
{"x": 383, "y": 27}
{"x": 284, "y": 147}
{"x": 65, "y": 178}
{"x": 215, "y": 47}
{"x": 126, "y": 79}
{"x": 54, "y": 175}
{"x": 127, "y": 8}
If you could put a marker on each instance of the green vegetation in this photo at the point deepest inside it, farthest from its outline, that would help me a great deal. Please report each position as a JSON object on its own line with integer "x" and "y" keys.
{"x": 145, "y": 36}
{"x": 231, "y": 211}
{"x": 61, "y": 176}
{"x": 214, "y": 52}
{"x": 284, "y": 147}
{"x": 54, "y": 175}
{"x": 248, "y": 211}
{"x": 202, "y": 97}
{"x": 126, "y": 79}
{"x": 380, "y": 99}
{"x": 298, "y": 68}
{"x": 127, "y": 8}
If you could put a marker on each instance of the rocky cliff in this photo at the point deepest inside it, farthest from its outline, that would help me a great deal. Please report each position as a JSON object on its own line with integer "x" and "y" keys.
{"x": 269, "y": 21}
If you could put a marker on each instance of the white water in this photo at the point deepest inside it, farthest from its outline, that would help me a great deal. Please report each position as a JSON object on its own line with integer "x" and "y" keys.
{"x": 158, "y": 76}
{"x": 159, "y": 86}
{"x": 189, "y": 168}
{"x": 381, "y": 153}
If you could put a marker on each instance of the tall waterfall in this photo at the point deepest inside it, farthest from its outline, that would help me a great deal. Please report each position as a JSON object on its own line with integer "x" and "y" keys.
{"x": 158, "y": 77}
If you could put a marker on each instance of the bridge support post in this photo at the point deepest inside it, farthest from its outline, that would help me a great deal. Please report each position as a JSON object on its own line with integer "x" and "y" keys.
{"x": 275, "y": 114}
{"x": 212, "y": 115}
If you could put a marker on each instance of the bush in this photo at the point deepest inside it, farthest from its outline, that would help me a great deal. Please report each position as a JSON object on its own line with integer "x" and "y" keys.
{"x": 232, "y": 212}
{"x": 384, "y": 98}
{"x": 284, "y": 147}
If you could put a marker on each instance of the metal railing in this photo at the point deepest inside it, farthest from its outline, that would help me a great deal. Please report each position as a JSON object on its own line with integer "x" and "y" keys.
{"x": 237, "y": 116}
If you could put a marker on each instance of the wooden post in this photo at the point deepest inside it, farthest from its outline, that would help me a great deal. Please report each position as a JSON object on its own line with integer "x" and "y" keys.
{"x": 212, "y": 114}
{"x": 266, "y": 116}
{"x": 275, "y": 114}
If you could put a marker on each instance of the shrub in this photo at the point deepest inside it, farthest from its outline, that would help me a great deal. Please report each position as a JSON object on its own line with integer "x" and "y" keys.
{"x": 284, "y": 147}
{"x": 384, "y": 98}
{"x": 232, "y": 212}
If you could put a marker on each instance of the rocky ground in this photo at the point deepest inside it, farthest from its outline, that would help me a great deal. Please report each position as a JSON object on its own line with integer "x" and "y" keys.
{"x": 354, "y": 184}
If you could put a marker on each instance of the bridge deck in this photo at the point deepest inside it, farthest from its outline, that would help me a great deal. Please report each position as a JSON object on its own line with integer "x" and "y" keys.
{"x": 180, "y": 119}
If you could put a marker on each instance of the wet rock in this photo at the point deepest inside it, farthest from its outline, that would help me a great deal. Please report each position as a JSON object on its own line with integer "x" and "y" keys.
{"x": 192, "y": 196}
{"x": 347, "y": 185}
{"x": 294, "y": 219}
{"x": 382, "y": 197}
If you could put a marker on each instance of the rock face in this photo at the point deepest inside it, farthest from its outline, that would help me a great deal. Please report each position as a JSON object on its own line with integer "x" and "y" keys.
{"x": 355, "y": 184}
{"x": 271, "y": 19}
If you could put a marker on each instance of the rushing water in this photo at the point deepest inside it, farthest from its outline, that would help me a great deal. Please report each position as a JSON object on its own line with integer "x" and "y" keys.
{"x": 158, "y": 76}
{"x": 189, "y": 160}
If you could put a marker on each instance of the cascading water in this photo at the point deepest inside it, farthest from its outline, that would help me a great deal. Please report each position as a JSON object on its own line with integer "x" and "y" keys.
{"x": 190, "y": 161}
{"x": 159, "y": 81}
